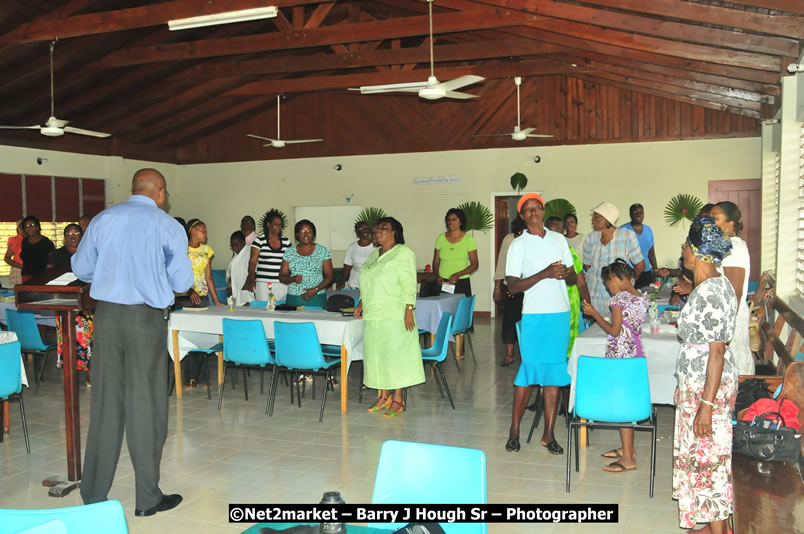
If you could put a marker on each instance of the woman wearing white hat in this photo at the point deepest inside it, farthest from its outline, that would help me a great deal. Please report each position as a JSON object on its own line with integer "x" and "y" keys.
{"x": 602, "y": 247}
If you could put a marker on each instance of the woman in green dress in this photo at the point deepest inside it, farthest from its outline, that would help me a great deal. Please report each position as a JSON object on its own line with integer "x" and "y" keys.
{"x": 391, "y": 353}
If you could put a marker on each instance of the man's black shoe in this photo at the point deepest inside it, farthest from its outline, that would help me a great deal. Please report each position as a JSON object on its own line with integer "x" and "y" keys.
{"x": 168, "y": 502}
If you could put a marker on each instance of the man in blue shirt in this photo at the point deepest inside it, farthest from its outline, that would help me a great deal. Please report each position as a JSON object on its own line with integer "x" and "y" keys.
{"x": 135, "y": 256}
{"x": 645, "y": 238}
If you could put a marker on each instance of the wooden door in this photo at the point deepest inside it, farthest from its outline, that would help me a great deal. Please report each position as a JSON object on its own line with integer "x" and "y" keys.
{"x": 747, "y": 194}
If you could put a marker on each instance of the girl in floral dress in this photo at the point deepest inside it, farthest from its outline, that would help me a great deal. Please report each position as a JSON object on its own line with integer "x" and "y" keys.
{"x": 628, "y": 310}
{"x": 707, "y": 386}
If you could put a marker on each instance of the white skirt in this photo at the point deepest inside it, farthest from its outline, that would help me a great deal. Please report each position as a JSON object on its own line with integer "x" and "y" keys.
{"x": 739, "y": 345}
{"x": 279, "y": 289}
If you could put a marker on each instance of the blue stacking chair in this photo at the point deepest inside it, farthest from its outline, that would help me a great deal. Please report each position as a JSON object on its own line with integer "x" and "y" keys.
{"x": 244, "y": 344}
{"x": 219, "y": 279}
{"x": 104, "y": 517}
{"x": 11, "y": 384}
{"x": 299, "y": 351}
{"x": 462, "y": 324}
{"x": 661, "y": 308}
{"x": 752, "y": 287}
{"x": 438, "y": 353}
{"x": 442, "y": 475}
{"x": 609, "y": 391}
{"x": 24, "y": 324}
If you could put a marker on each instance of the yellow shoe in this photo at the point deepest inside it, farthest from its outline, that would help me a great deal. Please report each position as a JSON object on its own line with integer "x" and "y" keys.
{"x": 394, "y": 413}
{"x": 381, "y": 404}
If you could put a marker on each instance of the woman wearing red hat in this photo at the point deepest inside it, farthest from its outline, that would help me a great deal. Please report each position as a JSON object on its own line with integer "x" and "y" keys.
{"x": 539, "y": 264}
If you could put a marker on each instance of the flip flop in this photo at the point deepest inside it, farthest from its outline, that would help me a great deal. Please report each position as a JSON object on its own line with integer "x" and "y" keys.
{"x": 618, "y": 468}
{"x": 553, "y": 447}
{"x": 512, "y": 445}
{"x": 613, "y": 453}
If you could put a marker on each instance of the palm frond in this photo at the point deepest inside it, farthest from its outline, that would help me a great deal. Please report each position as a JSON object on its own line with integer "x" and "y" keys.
{"x": 519, "y": 181}
{"x": 558, "y": 207}
{"x": 478, "y": 216}
{"x": 370, "y": 216}
{"x": 682, "y": 207}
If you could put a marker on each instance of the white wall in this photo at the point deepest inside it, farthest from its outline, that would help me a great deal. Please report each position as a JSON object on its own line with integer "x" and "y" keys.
{"x": 649, "y": 173}
{"x": 116, "y": 171}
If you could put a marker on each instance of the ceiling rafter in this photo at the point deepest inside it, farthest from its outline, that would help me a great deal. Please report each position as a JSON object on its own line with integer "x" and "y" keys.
{"x": 789, "y": 6}
{"x": 350, "y": 32}
{"x": 712, "y": 14}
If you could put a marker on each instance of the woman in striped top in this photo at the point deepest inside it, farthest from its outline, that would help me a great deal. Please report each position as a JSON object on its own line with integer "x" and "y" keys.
{"x": 267, "y": 251}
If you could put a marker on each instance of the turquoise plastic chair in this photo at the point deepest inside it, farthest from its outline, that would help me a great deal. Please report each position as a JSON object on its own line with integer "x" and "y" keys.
{"x": 24, "y": 324}
{"x": 244, "y": 345}
{"x": 11, "y": 384}
{"x": 258, "y": 303}
{"x": 424, "y": 473}
{"x": 609, "y": 391}
{"x": 752, "y": 287}
{"x": 219, "y": 279}
{"x": 299, "y": 351}
{"x": 438, "y": 353}
{"x": 462, "y": 324}
{"x": 664, "y": 307}
{"x": 101, "y": 518}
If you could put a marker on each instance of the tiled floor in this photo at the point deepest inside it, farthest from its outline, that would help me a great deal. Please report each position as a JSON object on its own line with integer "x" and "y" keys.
{"x": 240, "y": 455}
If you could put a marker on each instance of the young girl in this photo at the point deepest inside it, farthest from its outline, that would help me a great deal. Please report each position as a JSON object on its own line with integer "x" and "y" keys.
{"x": 203, "y": 289}
{"x": 628, "y": 310}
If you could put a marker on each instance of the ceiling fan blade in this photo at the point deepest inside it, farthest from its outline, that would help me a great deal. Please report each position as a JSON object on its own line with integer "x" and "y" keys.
{"x": 260, "y": 137}
{"x": 539, "y": 135}
{"x": 461, "y": 81}
{"x": 526, "y": 131}
{"x": 292, "y": 141}
{"x": 492, "y": 135}
{"x": 81, "y": 131}
{"x": 410, "y": 86}
{"x": 36, "y": 127}
{"x": 459, "y": 95}
{"x": 53, "y": 122}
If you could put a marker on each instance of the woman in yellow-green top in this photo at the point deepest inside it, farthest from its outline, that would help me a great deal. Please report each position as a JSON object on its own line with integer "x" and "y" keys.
{"x": 455, "y": 256}
{"x": 391, "y": 353}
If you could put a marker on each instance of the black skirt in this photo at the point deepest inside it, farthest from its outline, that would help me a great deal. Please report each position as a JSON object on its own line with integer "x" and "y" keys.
{"x": 512, "y": 313}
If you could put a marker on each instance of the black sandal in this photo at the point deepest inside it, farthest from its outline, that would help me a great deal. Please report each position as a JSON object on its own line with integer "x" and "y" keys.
{"x": 506, "y": 362}
{"x": 553, "y": 447}
{"x": 512, "y": 445}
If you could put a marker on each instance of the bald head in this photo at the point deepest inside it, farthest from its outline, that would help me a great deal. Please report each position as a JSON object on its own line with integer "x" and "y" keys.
{"x": 150, "y": 183}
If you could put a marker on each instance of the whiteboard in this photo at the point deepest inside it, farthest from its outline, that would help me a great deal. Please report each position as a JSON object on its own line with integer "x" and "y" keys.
{"x": 334, "y": 225}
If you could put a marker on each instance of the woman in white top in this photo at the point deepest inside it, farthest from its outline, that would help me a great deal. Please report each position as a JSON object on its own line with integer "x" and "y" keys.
{"x": 574, "y": 238}
{"x": 737, "y": 268}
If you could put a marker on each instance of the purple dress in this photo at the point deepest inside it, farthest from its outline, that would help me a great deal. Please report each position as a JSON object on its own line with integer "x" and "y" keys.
{"x": 627, "y": 343}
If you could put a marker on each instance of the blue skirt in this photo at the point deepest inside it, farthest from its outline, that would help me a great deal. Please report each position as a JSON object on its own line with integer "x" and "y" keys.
{"x": 543, "y": 343}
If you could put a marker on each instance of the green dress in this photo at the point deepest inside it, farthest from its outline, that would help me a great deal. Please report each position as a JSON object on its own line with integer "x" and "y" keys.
{"x": 575, "y": 302}
{"x": 392, "y": 356}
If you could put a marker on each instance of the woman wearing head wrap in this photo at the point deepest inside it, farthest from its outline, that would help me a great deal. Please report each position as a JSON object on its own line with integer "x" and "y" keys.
{"x": 707, "y": 385}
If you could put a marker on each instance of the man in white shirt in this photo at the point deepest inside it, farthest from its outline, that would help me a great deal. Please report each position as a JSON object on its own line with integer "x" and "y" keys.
{"x": 356, "y": 255}
{"x": 237, "y": 270}
{"x": 248, "y": 227}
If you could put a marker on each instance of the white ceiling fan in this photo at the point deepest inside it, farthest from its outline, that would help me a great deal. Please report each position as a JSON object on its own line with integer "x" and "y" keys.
{"x": 518, "y": 134}
{"x": 55, "y": 127}
{"x": 278, "y": 142}
{"x": 432, "y": 89}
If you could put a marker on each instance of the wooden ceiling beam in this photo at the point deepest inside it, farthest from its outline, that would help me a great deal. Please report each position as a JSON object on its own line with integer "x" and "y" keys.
{"x": 490, "y": 70}
{"x": 370, "y": 58}
{"x": 649, "y": 57}
{"x": 789, "y": 6}
{"x": 188, "y": 131}
{"x": 132, "y": 18}
{"x": 319, "y": 14}
{"x": 150, "y": 133}
{"x": 340, "y": 33}
{"x": 712, "y": 14}
{"x": 593, "y": 77}
{"x": 638, "y": 26}
{"x": 584, "y": 56}
{"x": 711, "y": 93}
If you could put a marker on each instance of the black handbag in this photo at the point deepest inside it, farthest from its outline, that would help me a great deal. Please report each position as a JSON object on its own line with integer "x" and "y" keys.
{"x": 750, "y": 391}
{"x": 757, "y": 440}
{"x": 339, "y": 301}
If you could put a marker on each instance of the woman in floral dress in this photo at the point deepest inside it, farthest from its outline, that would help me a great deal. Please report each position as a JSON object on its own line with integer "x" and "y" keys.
{"x": 707, "y": 386}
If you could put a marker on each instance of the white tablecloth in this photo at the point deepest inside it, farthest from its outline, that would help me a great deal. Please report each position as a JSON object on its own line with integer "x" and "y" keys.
{"x": 661, "y": 351}
{"x": 429, "y": 310}
{"x": 200, "y": 329}
{"x": 11, "y": 337}
{"x": 46, "y": 319}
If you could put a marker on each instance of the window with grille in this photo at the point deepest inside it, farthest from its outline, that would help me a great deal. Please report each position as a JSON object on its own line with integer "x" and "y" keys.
{"x": 56, "y": 201}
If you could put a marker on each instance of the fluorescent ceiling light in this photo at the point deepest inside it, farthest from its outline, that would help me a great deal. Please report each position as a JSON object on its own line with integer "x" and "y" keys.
{"x": 223, "y": 18}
